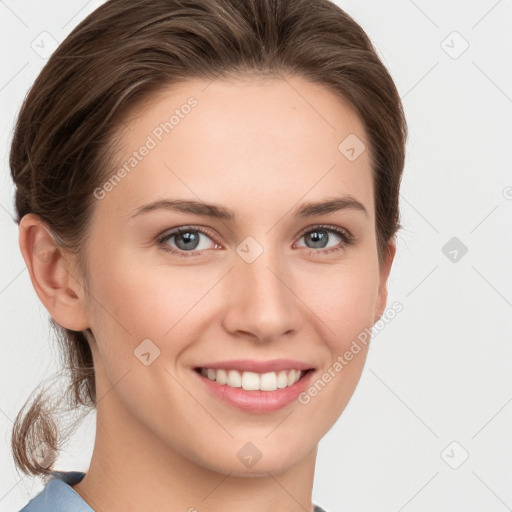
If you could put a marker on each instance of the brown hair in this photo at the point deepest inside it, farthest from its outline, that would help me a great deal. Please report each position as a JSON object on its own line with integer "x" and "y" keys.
{"x": 119, "y": 55}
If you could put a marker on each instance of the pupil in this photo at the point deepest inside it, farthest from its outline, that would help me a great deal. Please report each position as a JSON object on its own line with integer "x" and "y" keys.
{"x": 188, "y": 237}
{"x": 319, "y": 238}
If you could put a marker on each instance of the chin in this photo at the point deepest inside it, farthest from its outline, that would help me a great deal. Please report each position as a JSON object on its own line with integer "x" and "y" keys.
{"x": 245, "y": 459}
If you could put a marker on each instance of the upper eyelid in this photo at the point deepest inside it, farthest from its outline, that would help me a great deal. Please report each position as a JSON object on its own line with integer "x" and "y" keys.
{"x": 176, "y": 231}
{"x": 326, "y": 227}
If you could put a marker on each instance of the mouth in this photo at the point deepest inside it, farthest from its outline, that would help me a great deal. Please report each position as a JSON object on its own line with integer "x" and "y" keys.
{"x": 252, "y": 391}
{"x": 253, "y": 381}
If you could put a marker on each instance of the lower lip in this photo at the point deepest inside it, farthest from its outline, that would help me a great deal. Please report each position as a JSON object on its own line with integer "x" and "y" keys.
{"x": 257, "y": 401}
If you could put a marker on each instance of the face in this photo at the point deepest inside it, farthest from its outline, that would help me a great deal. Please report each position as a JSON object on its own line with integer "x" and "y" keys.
{"x": 253, "y": 287}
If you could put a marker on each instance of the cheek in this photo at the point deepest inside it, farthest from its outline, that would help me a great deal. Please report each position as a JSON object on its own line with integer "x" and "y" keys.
{"x": 133, "y": 302}
{"x": 343, "y": 298}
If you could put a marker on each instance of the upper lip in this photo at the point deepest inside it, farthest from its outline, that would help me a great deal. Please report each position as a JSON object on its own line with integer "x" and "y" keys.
{"x": 250, "y": 365}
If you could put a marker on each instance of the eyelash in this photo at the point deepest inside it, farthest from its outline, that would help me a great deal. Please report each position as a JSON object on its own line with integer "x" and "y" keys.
{"x": 346, "y": 237}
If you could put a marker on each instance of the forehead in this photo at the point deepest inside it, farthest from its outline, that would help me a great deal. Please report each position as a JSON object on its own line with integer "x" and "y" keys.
{"x": 279, "y": 139}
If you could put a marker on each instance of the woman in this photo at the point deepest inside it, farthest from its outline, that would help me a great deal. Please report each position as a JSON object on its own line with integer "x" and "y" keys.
{"x": 266, "y": 136}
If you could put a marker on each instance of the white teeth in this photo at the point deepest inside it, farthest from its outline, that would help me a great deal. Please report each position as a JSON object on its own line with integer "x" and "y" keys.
{"x": 282, "y": 379}
{"x": 268, "y": 381}
{"x": 251, "y": 381}
{"x": 292, "y": 377}
{"x": 234, "y": 379}
{"x": 221, "y": 376}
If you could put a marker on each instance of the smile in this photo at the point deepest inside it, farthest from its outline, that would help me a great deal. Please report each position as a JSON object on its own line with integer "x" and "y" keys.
{"x": 254, "y": 392}
{"x": 251, "y": 381}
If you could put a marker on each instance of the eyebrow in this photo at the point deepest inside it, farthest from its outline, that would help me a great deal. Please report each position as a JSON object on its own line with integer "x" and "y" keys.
{"x": 214, "y": 211}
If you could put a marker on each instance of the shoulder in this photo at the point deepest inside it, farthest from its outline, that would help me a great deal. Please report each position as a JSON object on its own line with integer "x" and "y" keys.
{"x": 58, "y": 495}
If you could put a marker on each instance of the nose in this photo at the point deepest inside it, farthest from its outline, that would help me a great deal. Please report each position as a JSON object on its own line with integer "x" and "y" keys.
{"x": 261, "y": 301}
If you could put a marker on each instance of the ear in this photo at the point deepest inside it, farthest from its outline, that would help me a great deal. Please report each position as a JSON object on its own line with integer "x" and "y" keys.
{"x": 52, "y": 273}
{"x": 384, "y": 274}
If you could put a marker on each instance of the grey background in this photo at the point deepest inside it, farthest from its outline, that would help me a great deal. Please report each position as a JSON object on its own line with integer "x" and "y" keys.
{"x": 437, "y": 384}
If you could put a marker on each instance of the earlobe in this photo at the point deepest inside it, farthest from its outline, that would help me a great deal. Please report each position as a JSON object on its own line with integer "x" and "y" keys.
{"x": 49, "y": 267}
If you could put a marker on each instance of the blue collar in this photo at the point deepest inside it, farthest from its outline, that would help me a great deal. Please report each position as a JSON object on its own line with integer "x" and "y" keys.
{"x": 58, "y": 495}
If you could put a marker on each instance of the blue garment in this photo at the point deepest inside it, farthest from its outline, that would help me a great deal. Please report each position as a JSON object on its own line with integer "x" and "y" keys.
{"x": 59, "y": 496}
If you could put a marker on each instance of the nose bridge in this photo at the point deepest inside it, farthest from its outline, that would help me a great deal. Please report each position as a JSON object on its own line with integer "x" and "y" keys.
{"x": 264, "y": 277}
{"x": 261, "y": 300}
